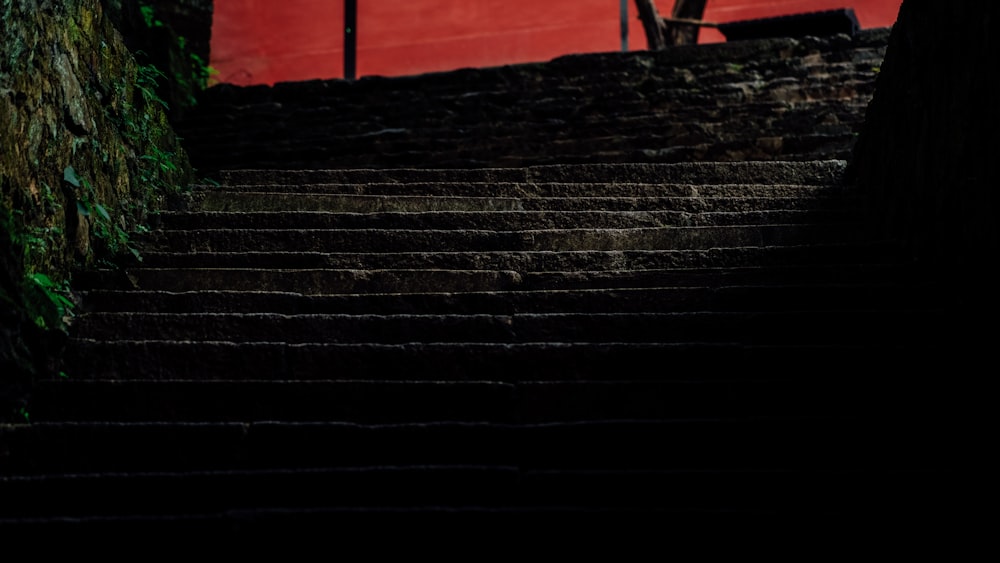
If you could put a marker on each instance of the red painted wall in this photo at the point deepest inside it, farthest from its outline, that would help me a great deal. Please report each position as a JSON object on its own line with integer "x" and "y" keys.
{"x": 269, "y": 41}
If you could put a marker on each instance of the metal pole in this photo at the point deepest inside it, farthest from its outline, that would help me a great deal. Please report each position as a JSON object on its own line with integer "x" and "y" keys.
{"x": 350, "y": 39}
{"x": 624, "y": 24}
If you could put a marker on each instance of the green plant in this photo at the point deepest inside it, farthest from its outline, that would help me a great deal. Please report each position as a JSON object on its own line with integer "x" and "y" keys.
{"x": 59, "y": 307}
{"x": 149, "y": 16}
{"x": 115, "y": 239}
{"x": 192, "y": 73}
{"x": 147, "y": 81}
{"x": 45, "y": 301}
{"x": 201, "y": 72}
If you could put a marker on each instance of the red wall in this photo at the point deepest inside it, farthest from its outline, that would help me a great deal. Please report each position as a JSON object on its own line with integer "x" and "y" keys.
{"x": 268, "y": 41}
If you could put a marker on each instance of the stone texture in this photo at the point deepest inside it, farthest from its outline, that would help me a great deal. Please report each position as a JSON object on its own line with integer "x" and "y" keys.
{"x": 773, "y": 99}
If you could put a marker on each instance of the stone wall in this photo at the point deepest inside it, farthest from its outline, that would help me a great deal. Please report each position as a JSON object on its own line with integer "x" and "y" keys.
{"x": 87, "y": 152}
{"x": 926, "y": 153}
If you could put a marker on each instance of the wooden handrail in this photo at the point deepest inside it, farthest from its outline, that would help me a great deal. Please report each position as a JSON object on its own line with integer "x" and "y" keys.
{"x": 700, "y": 23}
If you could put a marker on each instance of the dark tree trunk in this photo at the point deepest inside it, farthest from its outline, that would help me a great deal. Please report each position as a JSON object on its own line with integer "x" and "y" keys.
{"x": 652, "y": 24}
{"x": 682, "y": 33}
{"x": 660, "y": 33}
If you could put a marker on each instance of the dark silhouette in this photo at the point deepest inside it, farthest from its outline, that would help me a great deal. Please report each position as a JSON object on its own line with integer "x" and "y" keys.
{"x": 680, "y": 29}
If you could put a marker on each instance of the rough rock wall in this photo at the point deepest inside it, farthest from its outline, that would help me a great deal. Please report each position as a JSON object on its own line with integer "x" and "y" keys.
{"x": 928, "y": 150}
{"x": 85, "y": 152}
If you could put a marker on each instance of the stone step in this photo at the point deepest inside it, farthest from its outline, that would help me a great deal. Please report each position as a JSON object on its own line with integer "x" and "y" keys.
{"x": 688, "y": 91}
{"x": 486, "y": 220}
{"x": 770, "y": 297}
{"x": 528, "y": 261}
{"x": 519, "y": 153}
{"x": 393, "y": 402}
{"x": 705, "y": 116}
{"x": 613, "y": 89}
{"x": 465, "y": 240}
{"x": 555, "y": 361}
{"x": 742, "y": 444}
{"x": 273, "y": 201}
{"x": 767, "y": 146}
{"x": 325, "y": 281}
{"x": 805, "y": 173}
{"x": 531, "y": 190}
{"x": 223, "y": 503}
{"x": 688, "y": 95}
{"x": 812, "y": 327}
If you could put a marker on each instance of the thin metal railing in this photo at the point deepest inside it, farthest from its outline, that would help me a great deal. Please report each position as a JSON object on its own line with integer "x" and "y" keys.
{"x": 350, "y": 39}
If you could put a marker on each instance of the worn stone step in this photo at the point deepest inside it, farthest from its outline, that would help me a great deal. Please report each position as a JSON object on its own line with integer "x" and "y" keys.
{"x": 830, "y": 143}
{"x": 803, "y": 147}
{"x": 389, "y": 402}
{"x": 815, "y": 172}
{"x": 544, "y": 261}
{"x": 363, "y": 401}
{"x": 800, "y": 148}
{"x": 770, "y": 297}
{"x": 534, "y": 139}
{"x": 464, "y": 240}
{"x": 713, "y": 193}
{"x": 325, "y": 281}
{"x": 343, "y": 497}
{"x": 768, "y": 102}
{"x": 270, "y": 201}
{"x": 555, "y": 361}
{"x": 715, "y": 95}
{"x": 488, "y": 220}
{"x": 617, "y": 92}
{"x": 798, "y": 443}
{"x": 813, "y": 327}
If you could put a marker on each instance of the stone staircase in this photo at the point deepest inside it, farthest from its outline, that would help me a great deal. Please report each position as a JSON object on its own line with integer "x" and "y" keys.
{"x": 352, "y": 342}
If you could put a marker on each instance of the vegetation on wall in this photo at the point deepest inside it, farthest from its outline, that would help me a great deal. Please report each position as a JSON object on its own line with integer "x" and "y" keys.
{"x": 190, "y": 73}
{"x": 183, "y": 72}
{"x": 89, "y": 153}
